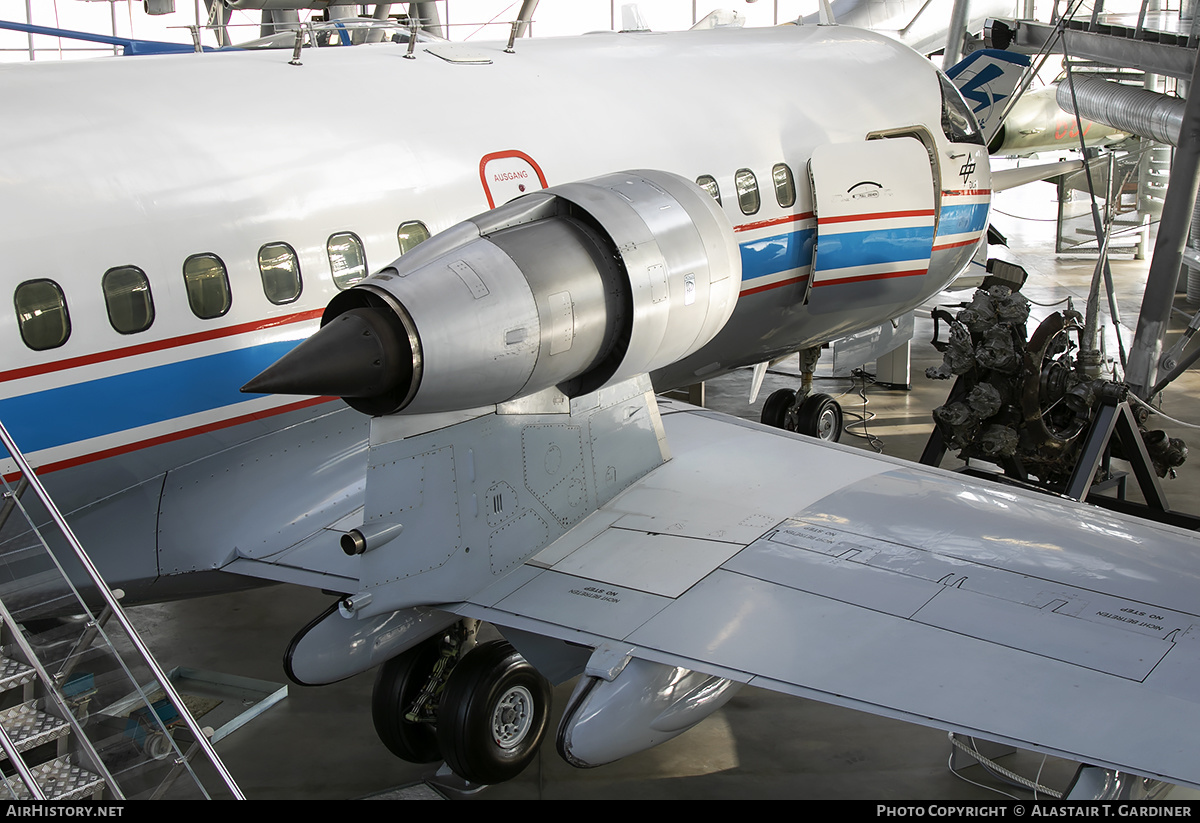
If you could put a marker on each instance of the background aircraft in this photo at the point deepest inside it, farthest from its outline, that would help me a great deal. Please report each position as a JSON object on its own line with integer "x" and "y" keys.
{"x": 532, "y": 479}
{"x": 1037, "y": 124}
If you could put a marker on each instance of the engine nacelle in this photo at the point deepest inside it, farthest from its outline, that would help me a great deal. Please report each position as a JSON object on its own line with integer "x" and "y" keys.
{"x": 573, "y": 287}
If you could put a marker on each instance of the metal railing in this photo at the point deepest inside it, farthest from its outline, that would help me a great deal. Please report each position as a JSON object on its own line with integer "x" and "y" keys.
{"x": 130, "y": 739}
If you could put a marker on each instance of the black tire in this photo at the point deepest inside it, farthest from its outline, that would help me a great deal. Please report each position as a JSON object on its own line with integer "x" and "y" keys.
{"x": 774, "y": 411}
{"x": 493, "y": 714}
{"x": 820, "y": 416}
{"x": 397, "y": 685}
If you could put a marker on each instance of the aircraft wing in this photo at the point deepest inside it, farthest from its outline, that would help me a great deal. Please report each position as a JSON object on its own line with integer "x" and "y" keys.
{"x": 864, "y": 581}
{"x": 1004, "y": 179}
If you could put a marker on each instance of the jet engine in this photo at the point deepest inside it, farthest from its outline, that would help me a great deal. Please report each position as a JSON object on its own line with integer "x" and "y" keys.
{"x": 573, "y": 287}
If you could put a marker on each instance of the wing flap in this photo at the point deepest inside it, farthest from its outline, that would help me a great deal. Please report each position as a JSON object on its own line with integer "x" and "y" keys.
{"x": 598, "y": 609}
{"x": 888, "y": 587}
{"x": 663, "y": 564}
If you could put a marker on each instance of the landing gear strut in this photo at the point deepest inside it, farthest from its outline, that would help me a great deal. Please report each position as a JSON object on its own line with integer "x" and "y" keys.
{"x": 403, "y": 715}
{"x": 484, "y": 711}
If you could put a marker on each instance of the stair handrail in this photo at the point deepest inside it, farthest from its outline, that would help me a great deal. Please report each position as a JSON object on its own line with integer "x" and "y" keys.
{"x": 36, "y": 484}
{"x": 64, "y": 711}
{"x": 21, "y": 766}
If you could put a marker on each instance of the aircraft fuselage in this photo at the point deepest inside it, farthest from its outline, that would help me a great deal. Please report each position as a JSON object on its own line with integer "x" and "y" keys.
{"x": 175, "y": 224}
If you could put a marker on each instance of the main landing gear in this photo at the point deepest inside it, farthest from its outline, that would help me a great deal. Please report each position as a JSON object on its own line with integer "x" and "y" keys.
{"x": 816, "y": 415}
{"x": 481, "y": 708}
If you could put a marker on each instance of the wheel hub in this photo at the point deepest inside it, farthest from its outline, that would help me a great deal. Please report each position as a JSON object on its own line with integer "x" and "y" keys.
{"x": 826, "y": 424}
{"x": 511, "y": 720}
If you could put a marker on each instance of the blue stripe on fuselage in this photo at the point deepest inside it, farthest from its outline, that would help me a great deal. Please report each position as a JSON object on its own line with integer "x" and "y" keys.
{"x": 108, "y": 405}
{"x": 963, "y": 219}
{"x": 105, "y": 406}
{"x": 865, "y": 248}
{"x": 772, "y": 255}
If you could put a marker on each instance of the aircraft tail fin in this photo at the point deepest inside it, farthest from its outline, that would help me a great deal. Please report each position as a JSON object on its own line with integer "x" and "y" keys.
{"x": 987, "y": 78}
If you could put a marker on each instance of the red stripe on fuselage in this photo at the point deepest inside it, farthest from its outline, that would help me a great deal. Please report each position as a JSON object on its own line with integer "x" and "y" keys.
{"x": 956, "y": 245}
{"x": 775, "y": 221}
{"x": 157, "y": 345}
{"x": 787, "y": 282}
{"x": 850, "y": 218}
{"x": 863, "y": 277}
{"x": 172, "y": 437}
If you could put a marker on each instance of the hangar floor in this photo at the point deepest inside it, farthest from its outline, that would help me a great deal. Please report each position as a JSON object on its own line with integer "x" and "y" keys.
{"x": 320, "y": 743}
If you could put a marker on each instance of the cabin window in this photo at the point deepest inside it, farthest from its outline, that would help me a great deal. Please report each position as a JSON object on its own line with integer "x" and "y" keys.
{"x": 280, "y": 270}
{"x": 42, "y": 314}
{"x": 128, "y": 299}
{"x": 709, "y": 184}
{"x": 347, "y": 260}
{"x": 785, "y": 187}
{"x": 207, "y": 286}
{"x": 410, "y": 234}
{"x": 747, "y": 190}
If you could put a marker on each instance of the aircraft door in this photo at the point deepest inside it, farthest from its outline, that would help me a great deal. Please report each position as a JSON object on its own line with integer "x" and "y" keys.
{"x": 506, "y": 175}
{"x": 876, "y": 208}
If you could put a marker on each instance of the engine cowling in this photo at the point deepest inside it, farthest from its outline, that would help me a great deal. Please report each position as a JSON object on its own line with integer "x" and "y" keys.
{"x": 573, "y": 287}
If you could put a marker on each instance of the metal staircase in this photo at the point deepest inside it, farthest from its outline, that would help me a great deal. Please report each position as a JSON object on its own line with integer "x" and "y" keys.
{"x": 85, "y": 710}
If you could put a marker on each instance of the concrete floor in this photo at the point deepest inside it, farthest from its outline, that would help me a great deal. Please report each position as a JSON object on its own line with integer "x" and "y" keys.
{"x": 320, "y": 743}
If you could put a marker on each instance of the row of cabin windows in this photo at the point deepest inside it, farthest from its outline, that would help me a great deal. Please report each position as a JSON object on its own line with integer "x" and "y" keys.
{"x": 745, "y": 184}
{"x": 45, "y": 322}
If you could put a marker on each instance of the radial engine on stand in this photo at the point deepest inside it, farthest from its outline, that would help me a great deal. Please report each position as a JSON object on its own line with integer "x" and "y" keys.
{"x": 1027, "y": 402}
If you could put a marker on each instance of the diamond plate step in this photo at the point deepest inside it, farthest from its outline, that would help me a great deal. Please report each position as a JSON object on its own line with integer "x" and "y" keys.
{"x": 59, "y": 779}
{"x": 29, "y": 727}
{"x": 14, "y": 673}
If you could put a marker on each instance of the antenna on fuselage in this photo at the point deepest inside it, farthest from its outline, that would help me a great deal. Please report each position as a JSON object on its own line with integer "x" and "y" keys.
{"x": 826, "y": 15}
{"x": 632, "y": 19}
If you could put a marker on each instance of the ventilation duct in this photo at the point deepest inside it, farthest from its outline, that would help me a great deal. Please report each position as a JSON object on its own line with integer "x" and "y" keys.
{"x": 1127, "y": 108}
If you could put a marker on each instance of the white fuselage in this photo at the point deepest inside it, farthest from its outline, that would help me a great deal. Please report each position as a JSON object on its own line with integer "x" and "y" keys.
{"x": 149, "y": 162}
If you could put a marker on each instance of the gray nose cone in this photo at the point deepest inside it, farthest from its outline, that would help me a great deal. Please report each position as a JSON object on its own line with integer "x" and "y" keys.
{"x": 357, "y": 354}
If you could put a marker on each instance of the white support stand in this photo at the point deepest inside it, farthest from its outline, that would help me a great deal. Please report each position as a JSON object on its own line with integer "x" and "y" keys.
{"x": 894, "y": 369}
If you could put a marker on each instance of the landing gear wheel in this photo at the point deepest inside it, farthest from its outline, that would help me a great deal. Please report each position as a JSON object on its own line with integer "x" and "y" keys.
{"x": 397, "y": 686}
{"x": 492, "y": 714}
{"x": 820, "y": 416}
{"x": 774, "y": 411}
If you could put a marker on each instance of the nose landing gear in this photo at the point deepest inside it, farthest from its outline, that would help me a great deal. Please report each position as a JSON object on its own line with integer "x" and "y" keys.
{"x": 815, "y": 415}
{"x": 805, "y": 412}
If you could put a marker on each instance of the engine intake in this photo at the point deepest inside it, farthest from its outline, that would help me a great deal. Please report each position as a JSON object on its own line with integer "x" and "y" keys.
{"x": 574, "y": 287}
